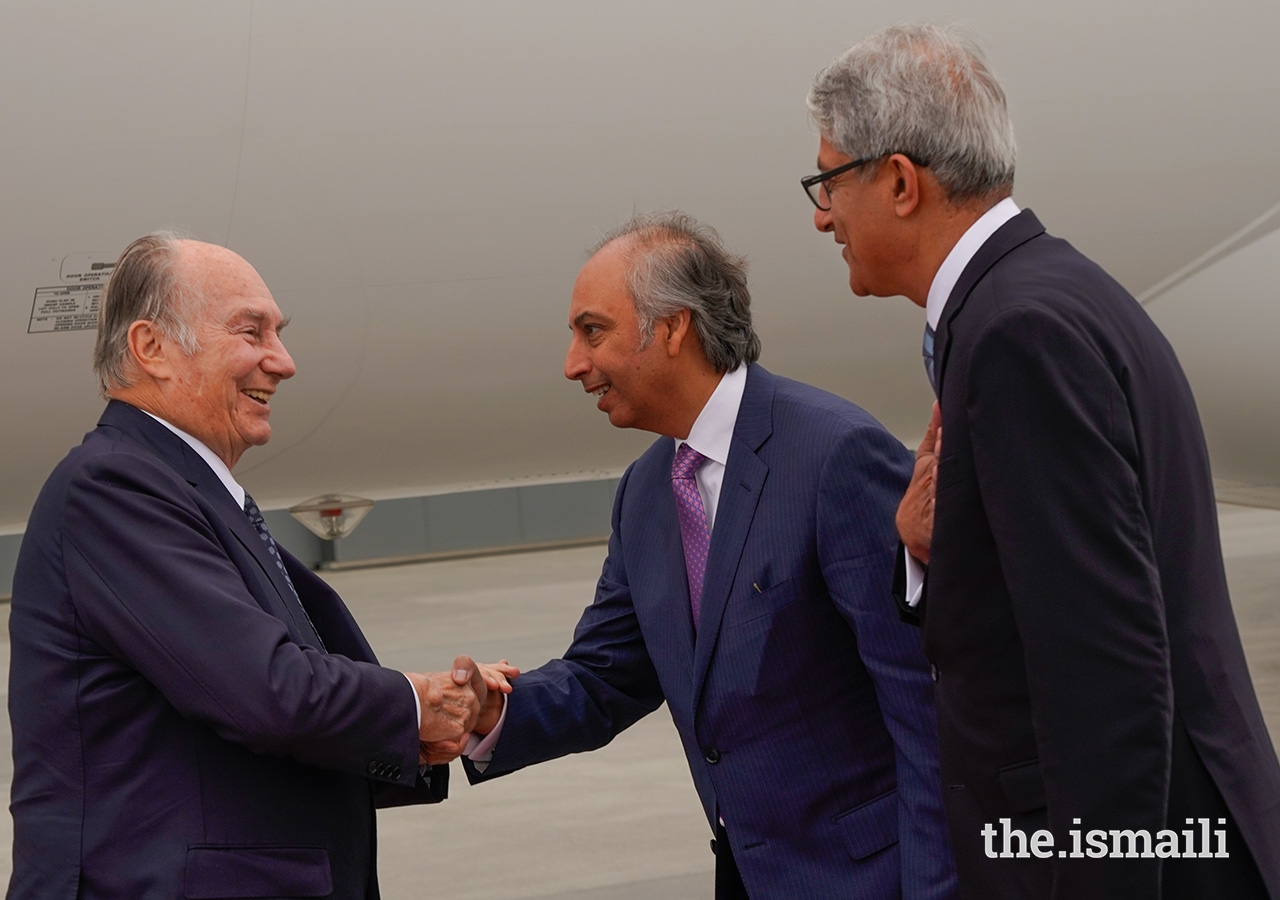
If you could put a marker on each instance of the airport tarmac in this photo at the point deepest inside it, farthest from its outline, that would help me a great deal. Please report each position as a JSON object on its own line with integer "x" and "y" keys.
{"x": 622, "y": 823}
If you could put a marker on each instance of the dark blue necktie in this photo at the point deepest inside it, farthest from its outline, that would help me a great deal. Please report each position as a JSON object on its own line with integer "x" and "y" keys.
{"x": 928, "y": 356}
{"x": 260, "y": 525}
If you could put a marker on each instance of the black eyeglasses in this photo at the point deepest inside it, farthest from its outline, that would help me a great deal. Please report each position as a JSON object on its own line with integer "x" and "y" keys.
{"x": 815, "y": 186}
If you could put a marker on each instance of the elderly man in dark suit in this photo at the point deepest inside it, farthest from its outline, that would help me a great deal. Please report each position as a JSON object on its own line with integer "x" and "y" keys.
{"x": 195, "y": 714}
{"x": 747, "y": 585}
{"x": 1095, "y": 713}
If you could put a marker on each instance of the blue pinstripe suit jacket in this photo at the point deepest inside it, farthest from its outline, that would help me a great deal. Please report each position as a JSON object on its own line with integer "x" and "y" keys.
{"x": 804, "y": 705}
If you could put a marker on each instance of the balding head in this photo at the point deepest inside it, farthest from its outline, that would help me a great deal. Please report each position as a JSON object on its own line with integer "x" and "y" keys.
{"x": 192, "y": 335}
{"x": 145, "y": 284}
{"x": 674, "y": 262}
{"x": 208, "y": 271}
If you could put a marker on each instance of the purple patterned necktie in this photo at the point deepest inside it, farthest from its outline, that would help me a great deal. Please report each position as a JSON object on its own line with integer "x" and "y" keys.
{"x": 695, "y": 536}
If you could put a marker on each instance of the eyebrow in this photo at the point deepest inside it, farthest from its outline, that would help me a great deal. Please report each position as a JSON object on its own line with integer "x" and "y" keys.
{"x": 587, "y": 314}
{"x": 254, "y": 315}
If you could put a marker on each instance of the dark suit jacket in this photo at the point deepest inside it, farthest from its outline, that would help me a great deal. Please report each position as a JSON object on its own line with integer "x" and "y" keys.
{"x": 804, "y": 706}
{"x": 177, "y": 729}
{"x": 1076, "y": 599}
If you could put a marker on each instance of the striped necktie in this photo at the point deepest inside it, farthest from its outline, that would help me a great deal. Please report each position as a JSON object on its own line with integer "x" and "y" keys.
{"x": 928, "y": 357}
{"x": 260, "y": 525}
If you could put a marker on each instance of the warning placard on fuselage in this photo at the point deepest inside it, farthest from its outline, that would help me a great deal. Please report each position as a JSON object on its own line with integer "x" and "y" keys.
{"x": 67, "y": 307}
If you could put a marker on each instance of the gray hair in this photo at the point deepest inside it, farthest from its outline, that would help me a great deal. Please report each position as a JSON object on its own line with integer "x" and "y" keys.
{"x": 926, "y": 91}
{"x": 144, "y": 284}
{"x": 677, "y": 264}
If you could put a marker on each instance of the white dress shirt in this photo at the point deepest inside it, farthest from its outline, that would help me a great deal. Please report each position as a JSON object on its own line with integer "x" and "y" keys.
{"x": 215, "y": 462}
{"x": 944, "y": 282}
{"x": 711, "y": 435}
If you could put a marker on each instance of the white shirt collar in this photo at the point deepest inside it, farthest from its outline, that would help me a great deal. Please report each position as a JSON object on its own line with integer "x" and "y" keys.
{"x": 219, "y": 467}
{"x": 712, "y": 431}
{"x": 965, "y": 249}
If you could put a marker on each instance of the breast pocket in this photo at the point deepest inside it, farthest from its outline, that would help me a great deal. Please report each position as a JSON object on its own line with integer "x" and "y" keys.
{"x": 745, "y": 608}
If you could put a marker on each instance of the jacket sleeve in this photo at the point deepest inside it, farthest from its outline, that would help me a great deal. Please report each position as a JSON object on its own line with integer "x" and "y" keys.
{"x": 862, "y": 482}
{"x": 154, "y": 586}
{"x": 604, "y": 683}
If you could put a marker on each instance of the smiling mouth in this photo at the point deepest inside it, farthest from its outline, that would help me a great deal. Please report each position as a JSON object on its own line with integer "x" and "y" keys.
{"x": 263, "y": 397}
{"x": 600, "y": 391}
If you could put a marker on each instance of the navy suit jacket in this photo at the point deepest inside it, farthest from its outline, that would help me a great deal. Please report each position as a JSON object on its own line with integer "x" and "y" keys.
{"x": 1077, "y": 607}
{"x": 178, "y": 731}
{"x": 804, "y": 706}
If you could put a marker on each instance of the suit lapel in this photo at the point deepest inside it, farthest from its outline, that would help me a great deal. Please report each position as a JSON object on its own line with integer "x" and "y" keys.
{"x": 174, "y": 451}
{"x": 329, "y": 615}
{"x": 1017, "y": 231}
{"x": 744, "y": 477}
{"x": 284, "y": 605}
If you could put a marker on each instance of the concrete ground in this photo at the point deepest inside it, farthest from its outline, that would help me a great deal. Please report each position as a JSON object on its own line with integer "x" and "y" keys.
{"x": 622, "y": 823}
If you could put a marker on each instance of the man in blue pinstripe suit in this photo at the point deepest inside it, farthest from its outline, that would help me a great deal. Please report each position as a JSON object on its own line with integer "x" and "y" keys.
{"x": 804, "y": 706}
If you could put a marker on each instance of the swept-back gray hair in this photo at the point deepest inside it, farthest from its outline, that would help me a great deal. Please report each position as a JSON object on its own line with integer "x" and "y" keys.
{"x": 926, "y": 91}
{"x": 677, "y": 263}
{"x": 143, "y": 285}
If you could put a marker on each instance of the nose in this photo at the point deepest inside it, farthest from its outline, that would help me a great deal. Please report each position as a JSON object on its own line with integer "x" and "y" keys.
{"x": 822, "y": 220}
{"x": 577, "y": 363}
{"x": 278, "y": 362}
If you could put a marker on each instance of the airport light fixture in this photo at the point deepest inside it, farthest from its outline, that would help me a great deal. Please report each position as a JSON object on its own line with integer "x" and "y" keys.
{"x": 331, "y": 517}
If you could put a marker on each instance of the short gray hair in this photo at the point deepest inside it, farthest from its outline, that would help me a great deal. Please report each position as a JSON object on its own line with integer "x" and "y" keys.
{"x": 926, "y": 91}
{"x": 677, "y": 263}
{"x": 144, "y": 284}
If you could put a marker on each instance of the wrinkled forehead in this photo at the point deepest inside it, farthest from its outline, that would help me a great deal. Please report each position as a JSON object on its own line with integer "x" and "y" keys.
{"x": 223, "y": 279}
{"x": 602, "y": 283}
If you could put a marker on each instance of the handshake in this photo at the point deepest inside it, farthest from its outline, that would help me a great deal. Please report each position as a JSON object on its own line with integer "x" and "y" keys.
{"x": 457, "y": 704}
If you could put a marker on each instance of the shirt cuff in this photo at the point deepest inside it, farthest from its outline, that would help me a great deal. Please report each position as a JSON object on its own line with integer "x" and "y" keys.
{"x": 480, "y": 748}
{"x": 417, "y": 704}
{"x": 915, "y": 579}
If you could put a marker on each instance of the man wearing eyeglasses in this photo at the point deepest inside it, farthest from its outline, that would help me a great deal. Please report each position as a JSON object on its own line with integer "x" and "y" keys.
{"x": 1094, "y": 707}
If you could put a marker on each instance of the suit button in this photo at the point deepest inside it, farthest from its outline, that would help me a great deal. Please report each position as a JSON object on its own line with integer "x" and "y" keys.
{"x": 933, "y": 670}
{"x": 712, "y": 755}
{"x": 373, "y": 768}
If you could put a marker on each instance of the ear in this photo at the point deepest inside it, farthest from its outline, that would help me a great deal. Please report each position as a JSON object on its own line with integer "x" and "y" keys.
{"x": 905, "y": 185}
{"x": 150, "y": 349}
{"x": 675, "y": 330}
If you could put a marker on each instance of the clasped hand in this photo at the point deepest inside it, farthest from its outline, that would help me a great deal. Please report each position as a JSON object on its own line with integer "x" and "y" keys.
{"x": 456, "y": 703}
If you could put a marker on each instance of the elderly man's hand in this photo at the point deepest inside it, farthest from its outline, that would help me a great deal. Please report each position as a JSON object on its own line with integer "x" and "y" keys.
{"x": 497, "y": 679}
{"x": 450, "y": 701}
{"x": 915, "y": 512}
